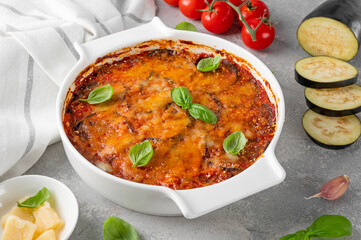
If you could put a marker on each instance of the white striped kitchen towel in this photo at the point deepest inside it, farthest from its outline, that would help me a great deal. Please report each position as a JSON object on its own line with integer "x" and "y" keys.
{"x": 36, "y": 52}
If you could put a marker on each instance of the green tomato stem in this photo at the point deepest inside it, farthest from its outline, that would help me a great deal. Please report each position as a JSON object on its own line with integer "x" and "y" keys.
{"x": 251, "y": 31}
{"x": 212, "y": 3}
{"x": 210, "y": 8}
{"x": 250, "y": 7}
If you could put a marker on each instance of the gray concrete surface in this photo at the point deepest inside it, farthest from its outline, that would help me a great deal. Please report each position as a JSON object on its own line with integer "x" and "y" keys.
{"x": 264, "y": 216}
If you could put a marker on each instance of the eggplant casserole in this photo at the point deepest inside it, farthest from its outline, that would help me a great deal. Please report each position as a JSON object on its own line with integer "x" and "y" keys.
{"x": 188, "y": 152}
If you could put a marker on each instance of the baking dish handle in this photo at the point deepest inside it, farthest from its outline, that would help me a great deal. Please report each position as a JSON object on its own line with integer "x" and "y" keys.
{"x": 153, "y": 30}
{"x": 265, "y": 173}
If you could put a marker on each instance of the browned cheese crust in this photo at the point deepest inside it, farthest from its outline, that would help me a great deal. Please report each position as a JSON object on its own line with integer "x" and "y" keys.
{"x": 188, "y": 153}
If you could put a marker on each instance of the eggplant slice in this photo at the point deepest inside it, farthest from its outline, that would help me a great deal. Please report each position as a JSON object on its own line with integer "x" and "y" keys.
{"x": 335, "y": 102}
{"x": 332, "y": 29}
{"x": 331, "y": 132}
{"x": 325, "y": 72}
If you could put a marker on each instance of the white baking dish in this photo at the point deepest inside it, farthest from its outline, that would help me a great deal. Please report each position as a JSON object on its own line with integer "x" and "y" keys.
{"x": 264, "y": 173}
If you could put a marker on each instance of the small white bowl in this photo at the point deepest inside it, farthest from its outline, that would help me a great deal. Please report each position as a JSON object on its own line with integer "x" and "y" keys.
{"x": 61, "y": 198}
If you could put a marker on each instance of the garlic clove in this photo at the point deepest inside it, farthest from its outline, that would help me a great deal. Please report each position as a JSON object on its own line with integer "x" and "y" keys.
{"x": 334, "y": 188}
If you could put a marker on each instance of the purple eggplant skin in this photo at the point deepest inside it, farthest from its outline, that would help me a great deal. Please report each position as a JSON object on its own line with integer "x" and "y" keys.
{"x": 324, "y": 145}
{"x": 331, "y": 113}
{"x": 347, "y": 12}
{"x": 332, "y": 147}
{"x": 309, "y": 83}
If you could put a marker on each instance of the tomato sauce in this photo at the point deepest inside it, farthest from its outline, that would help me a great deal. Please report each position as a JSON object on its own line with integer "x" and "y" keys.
{"x": 188, "y": 152}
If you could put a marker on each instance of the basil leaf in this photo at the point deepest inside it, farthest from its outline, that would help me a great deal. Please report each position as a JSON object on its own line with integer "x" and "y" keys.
{"x": 182, "y": 97}
{"x": 186, "y": 26}
{"x": 326, "y": 226}
{"x": 117, "y": 229}
{"x": 141, "y": 153}
{"x": 99, "y": 95}
{"x": 203, "y": 113}
{"x": 209, "y": 64}
{"x": 36, "y": 200}
{"x": 234, "y": 142}
{"x": 330, "y": 226}
{"x": 300, "y": 235}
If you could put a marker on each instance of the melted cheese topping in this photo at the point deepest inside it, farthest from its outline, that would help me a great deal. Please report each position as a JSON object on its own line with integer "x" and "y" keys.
{"x": 188, "y": 153}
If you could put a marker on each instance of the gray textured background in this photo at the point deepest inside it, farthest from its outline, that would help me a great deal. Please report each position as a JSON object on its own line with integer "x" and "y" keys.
{"x": 266, "y": 215}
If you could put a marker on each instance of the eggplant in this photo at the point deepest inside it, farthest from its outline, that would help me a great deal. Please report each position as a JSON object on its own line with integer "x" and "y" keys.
{"x": 325, "y": 72}
{"x": 331, "y": 132}
{"x": 161, "y": 52}
{"x": 332, "y": 29}
{"x": 155, "y": 140}
{"x": 77, "y": 126}
{"x": 334, "y": 102}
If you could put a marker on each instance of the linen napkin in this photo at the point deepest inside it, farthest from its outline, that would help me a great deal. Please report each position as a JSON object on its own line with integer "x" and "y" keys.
{"x": 36, "y": 52}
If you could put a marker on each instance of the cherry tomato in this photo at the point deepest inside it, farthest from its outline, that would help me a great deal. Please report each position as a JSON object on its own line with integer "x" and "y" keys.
{"x": 265, "y": 34}
{"x": 173, "y": 3}
{"x": 220, "y": 21}
{"x": 256, "y": 9}
{"x": 190, "y": 8}
{"x": 237, "y": 2}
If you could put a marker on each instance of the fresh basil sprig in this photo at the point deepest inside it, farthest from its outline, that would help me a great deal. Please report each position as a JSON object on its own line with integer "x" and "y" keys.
{"x": 186, "y": 26}
{"x": 99, "y": 95}
{"x": 203, "y": 113}
{"x": 209, "y": 64}
{"x": 234, "y": 142}
{"x": 326, "y": 226}
{"x": 36, "y": 200}
{"x": 141, "y": 153}
{"x": 182, "y": 97}
{"x": 117, "y": 229}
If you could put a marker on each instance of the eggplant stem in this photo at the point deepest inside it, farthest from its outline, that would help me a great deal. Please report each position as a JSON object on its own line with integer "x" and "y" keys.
{"x": 251, "y": 31}
{"x": 314, "y": 196}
